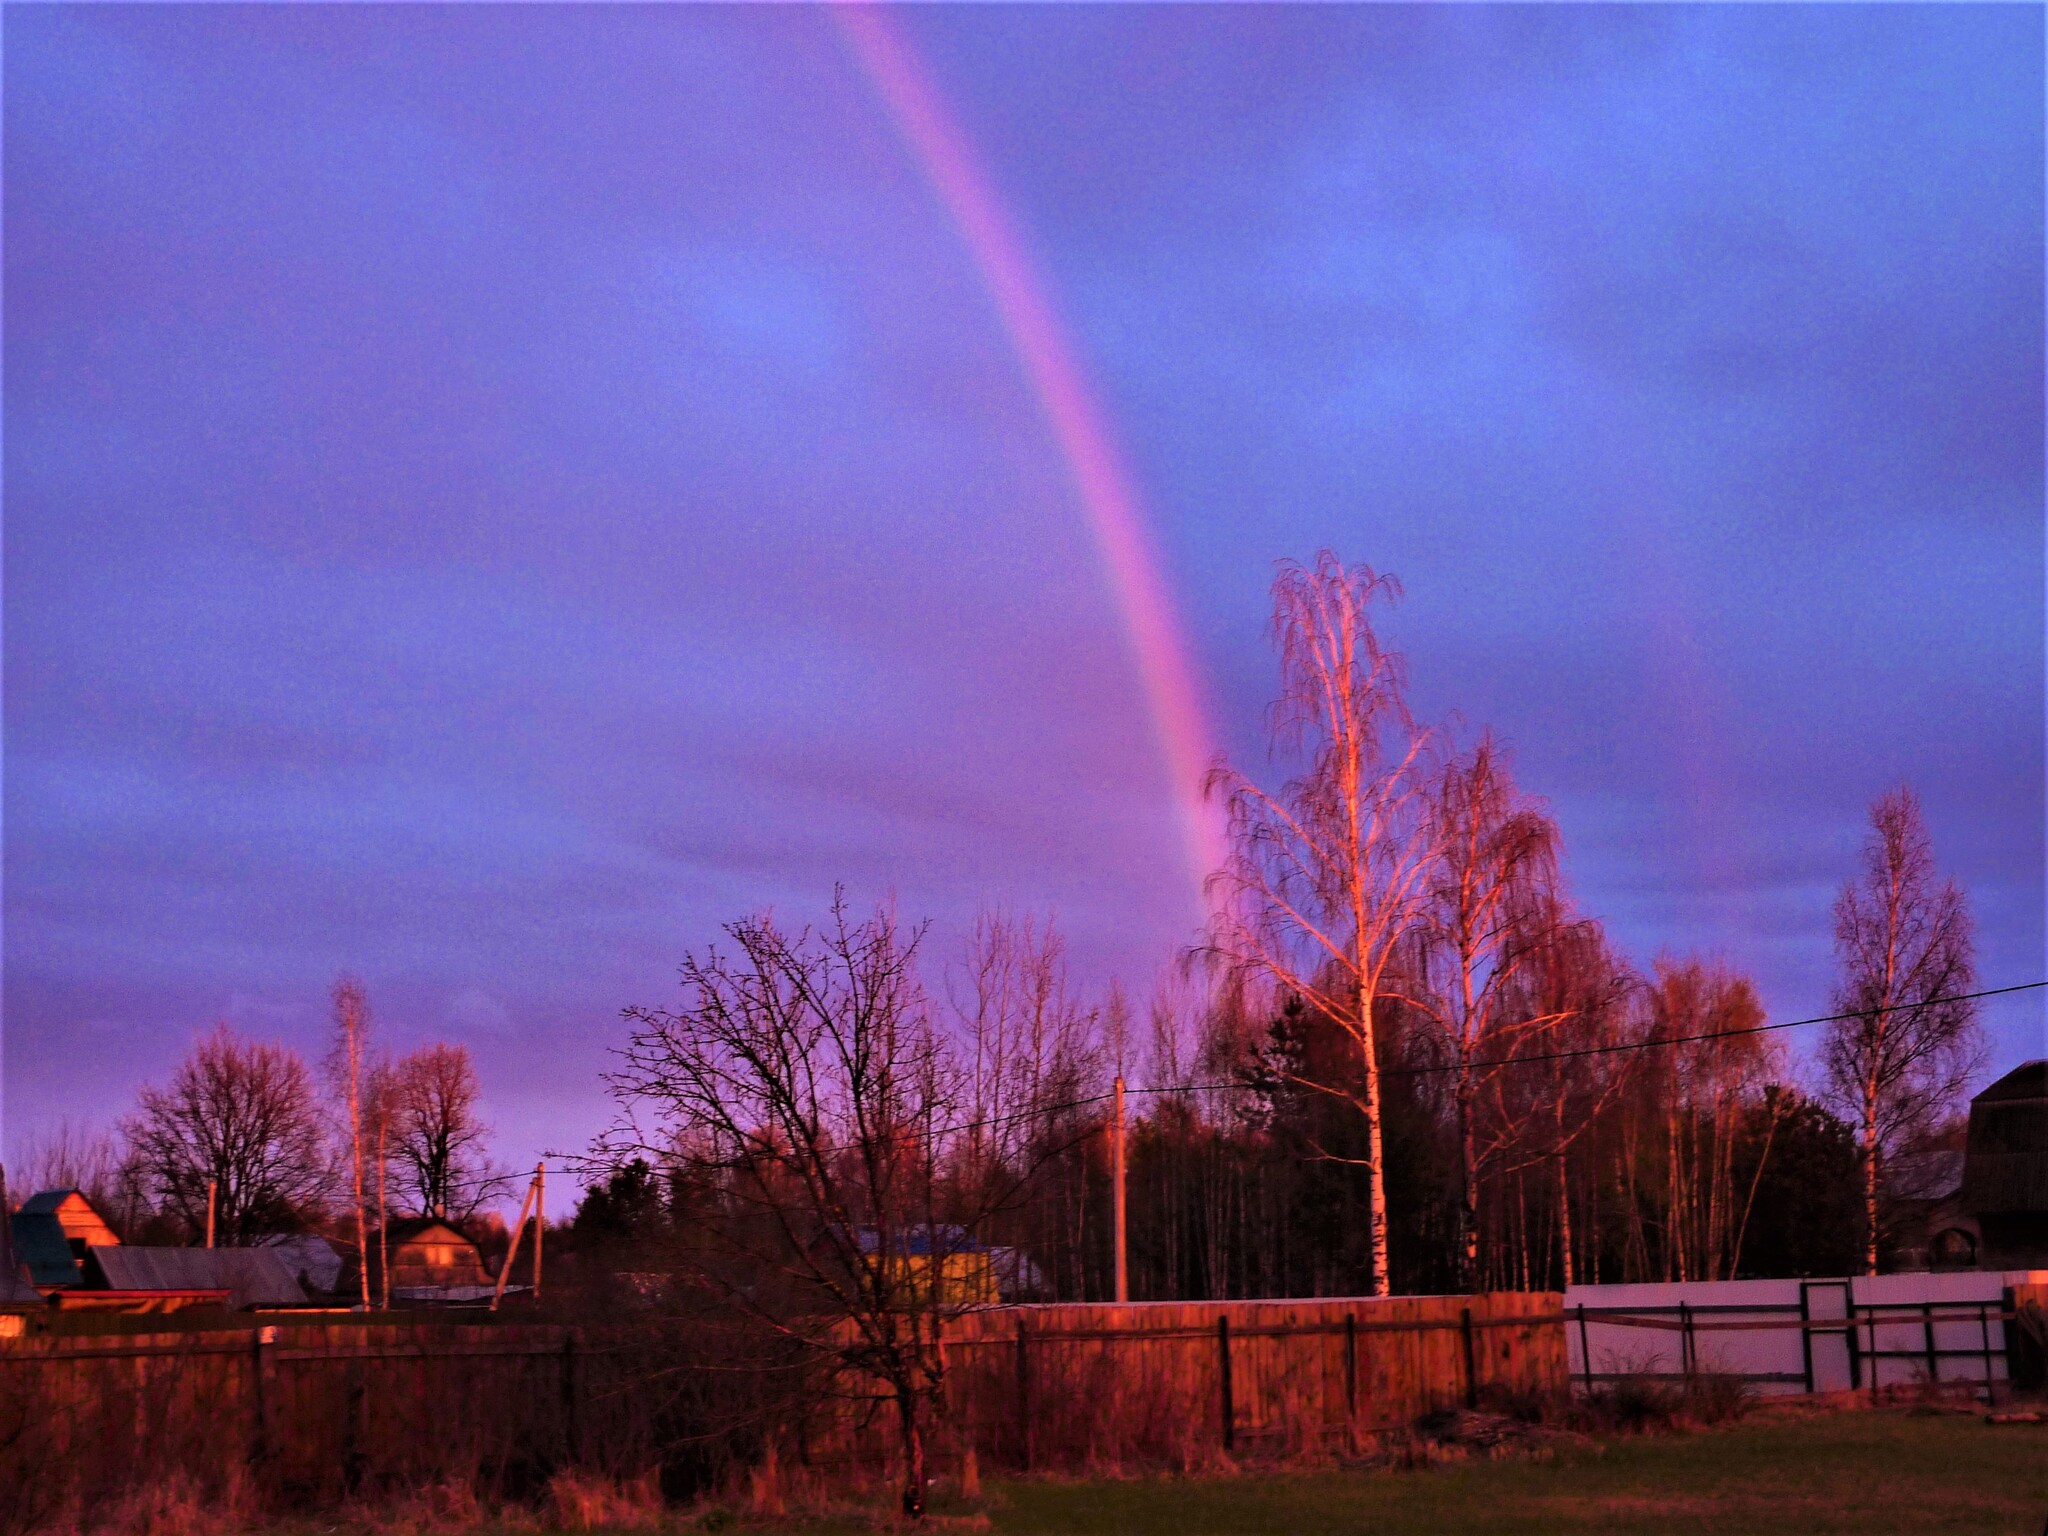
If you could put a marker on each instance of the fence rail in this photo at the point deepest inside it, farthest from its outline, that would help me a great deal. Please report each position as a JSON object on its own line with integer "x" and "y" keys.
{"x": 1837, "y": 1336}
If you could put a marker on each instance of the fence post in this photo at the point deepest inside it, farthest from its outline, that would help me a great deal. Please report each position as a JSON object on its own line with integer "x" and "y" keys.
{"x": 1933, "y": 1359}
{"x": 1984, "y": 1322}
{"x": 1024, "y": 1388}
{"x": 1585, "y": 1351}
{"x": 1229, "y": 1408}
{"x": 570, "y": 1439}
{"x": 1685, "y": 1346}
{"x": 1351, "y": 1367}
{"x": 259, "y": 1395}
{"x": 1855, "y": 1349}
{"x": 1806, "y": 1338}
{"x": 1471, "y": 1359}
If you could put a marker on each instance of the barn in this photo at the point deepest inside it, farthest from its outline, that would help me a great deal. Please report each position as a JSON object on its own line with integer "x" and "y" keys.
{"x": 2005, "y": 1169}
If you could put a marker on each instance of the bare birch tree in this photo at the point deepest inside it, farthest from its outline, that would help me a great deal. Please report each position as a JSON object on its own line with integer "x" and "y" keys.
{"x": 1708, "y": 1086}
{"x": 1488, "y": 913}
{"x": 1324, "y": 877}
{"x": 1034, "y": 1062}
{"x": 1905, "y": 947}
{"x": 349, "y": 1068}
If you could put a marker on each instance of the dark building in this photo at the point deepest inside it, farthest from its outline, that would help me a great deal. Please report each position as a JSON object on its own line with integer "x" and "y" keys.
{"x": 2005, "y": 1169}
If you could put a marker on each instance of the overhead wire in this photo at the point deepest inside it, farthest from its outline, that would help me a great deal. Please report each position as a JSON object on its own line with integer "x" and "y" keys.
{"x": 1489, "y": 1063}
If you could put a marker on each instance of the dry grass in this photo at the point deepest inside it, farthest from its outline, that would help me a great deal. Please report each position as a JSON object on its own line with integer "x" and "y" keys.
{"x": 582, "y": 1501}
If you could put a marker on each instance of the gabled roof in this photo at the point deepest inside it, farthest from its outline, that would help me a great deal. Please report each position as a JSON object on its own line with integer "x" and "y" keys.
{"x": 253, "y": 1277}
{"x": 405, "y": 1229}
{"x": 44, "y": 1202}
{"x": 2029, "y": 1081}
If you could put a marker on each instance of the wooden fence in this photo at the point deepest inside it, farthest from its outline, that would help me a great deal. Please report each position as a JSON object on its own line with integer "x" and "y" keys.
{"x": 1172, "y": 1383}
{"x": 306, "y": 1414}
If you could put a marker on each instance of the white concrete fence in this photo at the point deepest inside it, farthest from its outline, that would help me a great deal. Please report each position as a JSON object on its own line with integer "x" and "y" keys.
{"x": 1866, "y": 1333}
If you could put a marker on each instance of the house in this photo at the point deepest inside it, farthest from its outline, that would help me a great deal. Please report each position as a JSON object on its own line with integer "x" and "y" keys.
{"x": 2005, "y": 1170}
{"x": 78, "y": 1262}
{"x": 971, "y": 1273}
{"x": 16, "y": 1294}
{"x": 433, "y": 1262}
{"x": 53, "y": 1231}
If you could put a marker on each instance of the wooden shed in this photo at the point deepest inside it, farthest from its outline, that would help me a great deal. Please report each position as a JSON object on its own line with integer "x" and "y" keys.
{"x": 52, "y": 1233}
{"x": 426, "y": 1253}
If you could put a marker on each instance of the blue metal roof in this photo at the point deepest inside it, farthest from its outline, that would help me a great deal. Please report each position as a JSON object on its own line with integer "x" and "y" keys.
{"x": 40, "y": 1244}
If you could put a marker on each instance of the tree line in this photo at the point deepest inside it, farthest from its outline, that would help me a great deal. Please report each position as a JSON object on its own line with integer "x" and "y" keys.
{"x": 1402, "y": 1058}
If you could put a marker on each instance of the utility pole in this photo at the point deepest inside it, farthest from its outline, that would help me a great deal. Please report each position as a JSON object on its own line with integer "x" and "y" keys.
{"x": 540, "y": 1220}
{"x": 212, "y": 1200}
{"x": 512, "y": 1251}
{"x": 1123, "y": 1276}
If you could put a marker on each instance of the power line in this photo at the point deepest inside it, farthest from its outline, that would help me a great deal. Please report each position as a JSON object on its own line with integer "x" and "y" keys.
{"x": 1516, "y": 1061}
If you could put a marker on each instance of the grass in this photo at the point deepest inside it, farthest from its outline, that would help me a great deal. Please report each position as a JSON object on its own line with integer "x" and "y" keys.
{"x": 1776, "y": 1473}
{"x": 1845, "y": 1472}
{"x": 1863, "y": 1472}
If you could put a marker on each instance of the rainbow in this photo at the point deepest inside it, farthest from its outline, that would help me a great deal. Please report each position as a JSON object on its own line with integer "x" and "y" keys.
{"x": 1122, "y": 538}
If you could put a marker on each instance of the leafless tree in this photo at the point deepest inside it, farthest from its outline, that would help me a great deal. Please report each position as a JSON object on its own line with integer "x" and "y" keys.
{"x": 1706, "y": 1085}
{"x": 241, "y": 1114}
{"x": 439, "y": 1141}
{"x": 95, "y": 1161}
{"x": 1325, "y": 873}
{"x": 805, "y": 1104}
{"x": 1576, "y": 979}
{"x": 1490, "y": 910}
{"x": 1905, "y": 948}
{"x": 1034, "y": 1064}
{"x": 351, "y": 1069}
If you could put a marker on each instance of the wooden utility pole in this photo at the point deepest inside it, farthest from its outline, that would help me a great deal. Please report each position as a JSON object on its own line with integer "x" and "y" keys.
{"x": 1123, "y": 1275}
{"x": 540, "y": 1220}
{"x": 383, "y": 1211}
{"x": 512, "y": 1251}
{"x": 212, "y": 1200}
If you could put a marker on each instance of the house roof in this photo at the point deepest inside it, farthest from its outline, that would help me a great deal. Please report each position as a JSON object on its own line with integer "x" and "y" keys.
{"x": 2029, "y": 1081}
{"x": 14, "y": 1290}
{"x": 40, "y": 1245}
{"x": 921, "y": 1241}
{"x": 410, "y": 1227}
{"x": 315, "y": 1260}
{"x": 253, "y": 1277}
{"x": 44, "y": 1202}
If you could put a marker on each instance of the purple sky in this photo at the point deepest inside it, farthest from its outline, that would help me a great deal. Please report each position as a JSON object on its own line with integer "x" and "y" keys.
{"x": 491, "y": 493}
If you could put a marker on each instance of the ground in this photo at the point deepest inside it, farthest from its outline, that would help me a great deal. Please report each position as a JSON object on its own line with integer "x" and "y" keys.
{"x": 1864, "y": 1472}
{"x": 1895, "y": 1472}
{"x": 1856, "y": 1472}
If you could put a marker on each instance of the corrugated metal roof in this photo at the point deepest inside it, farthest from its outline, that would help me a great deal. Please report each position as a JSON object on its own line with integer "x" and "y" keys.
{"x": 308, "y": 1255}
{"x": 253, "y": 1277}
{"x": 40, "y": 1245}
{"x": 14, "y": 1289}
